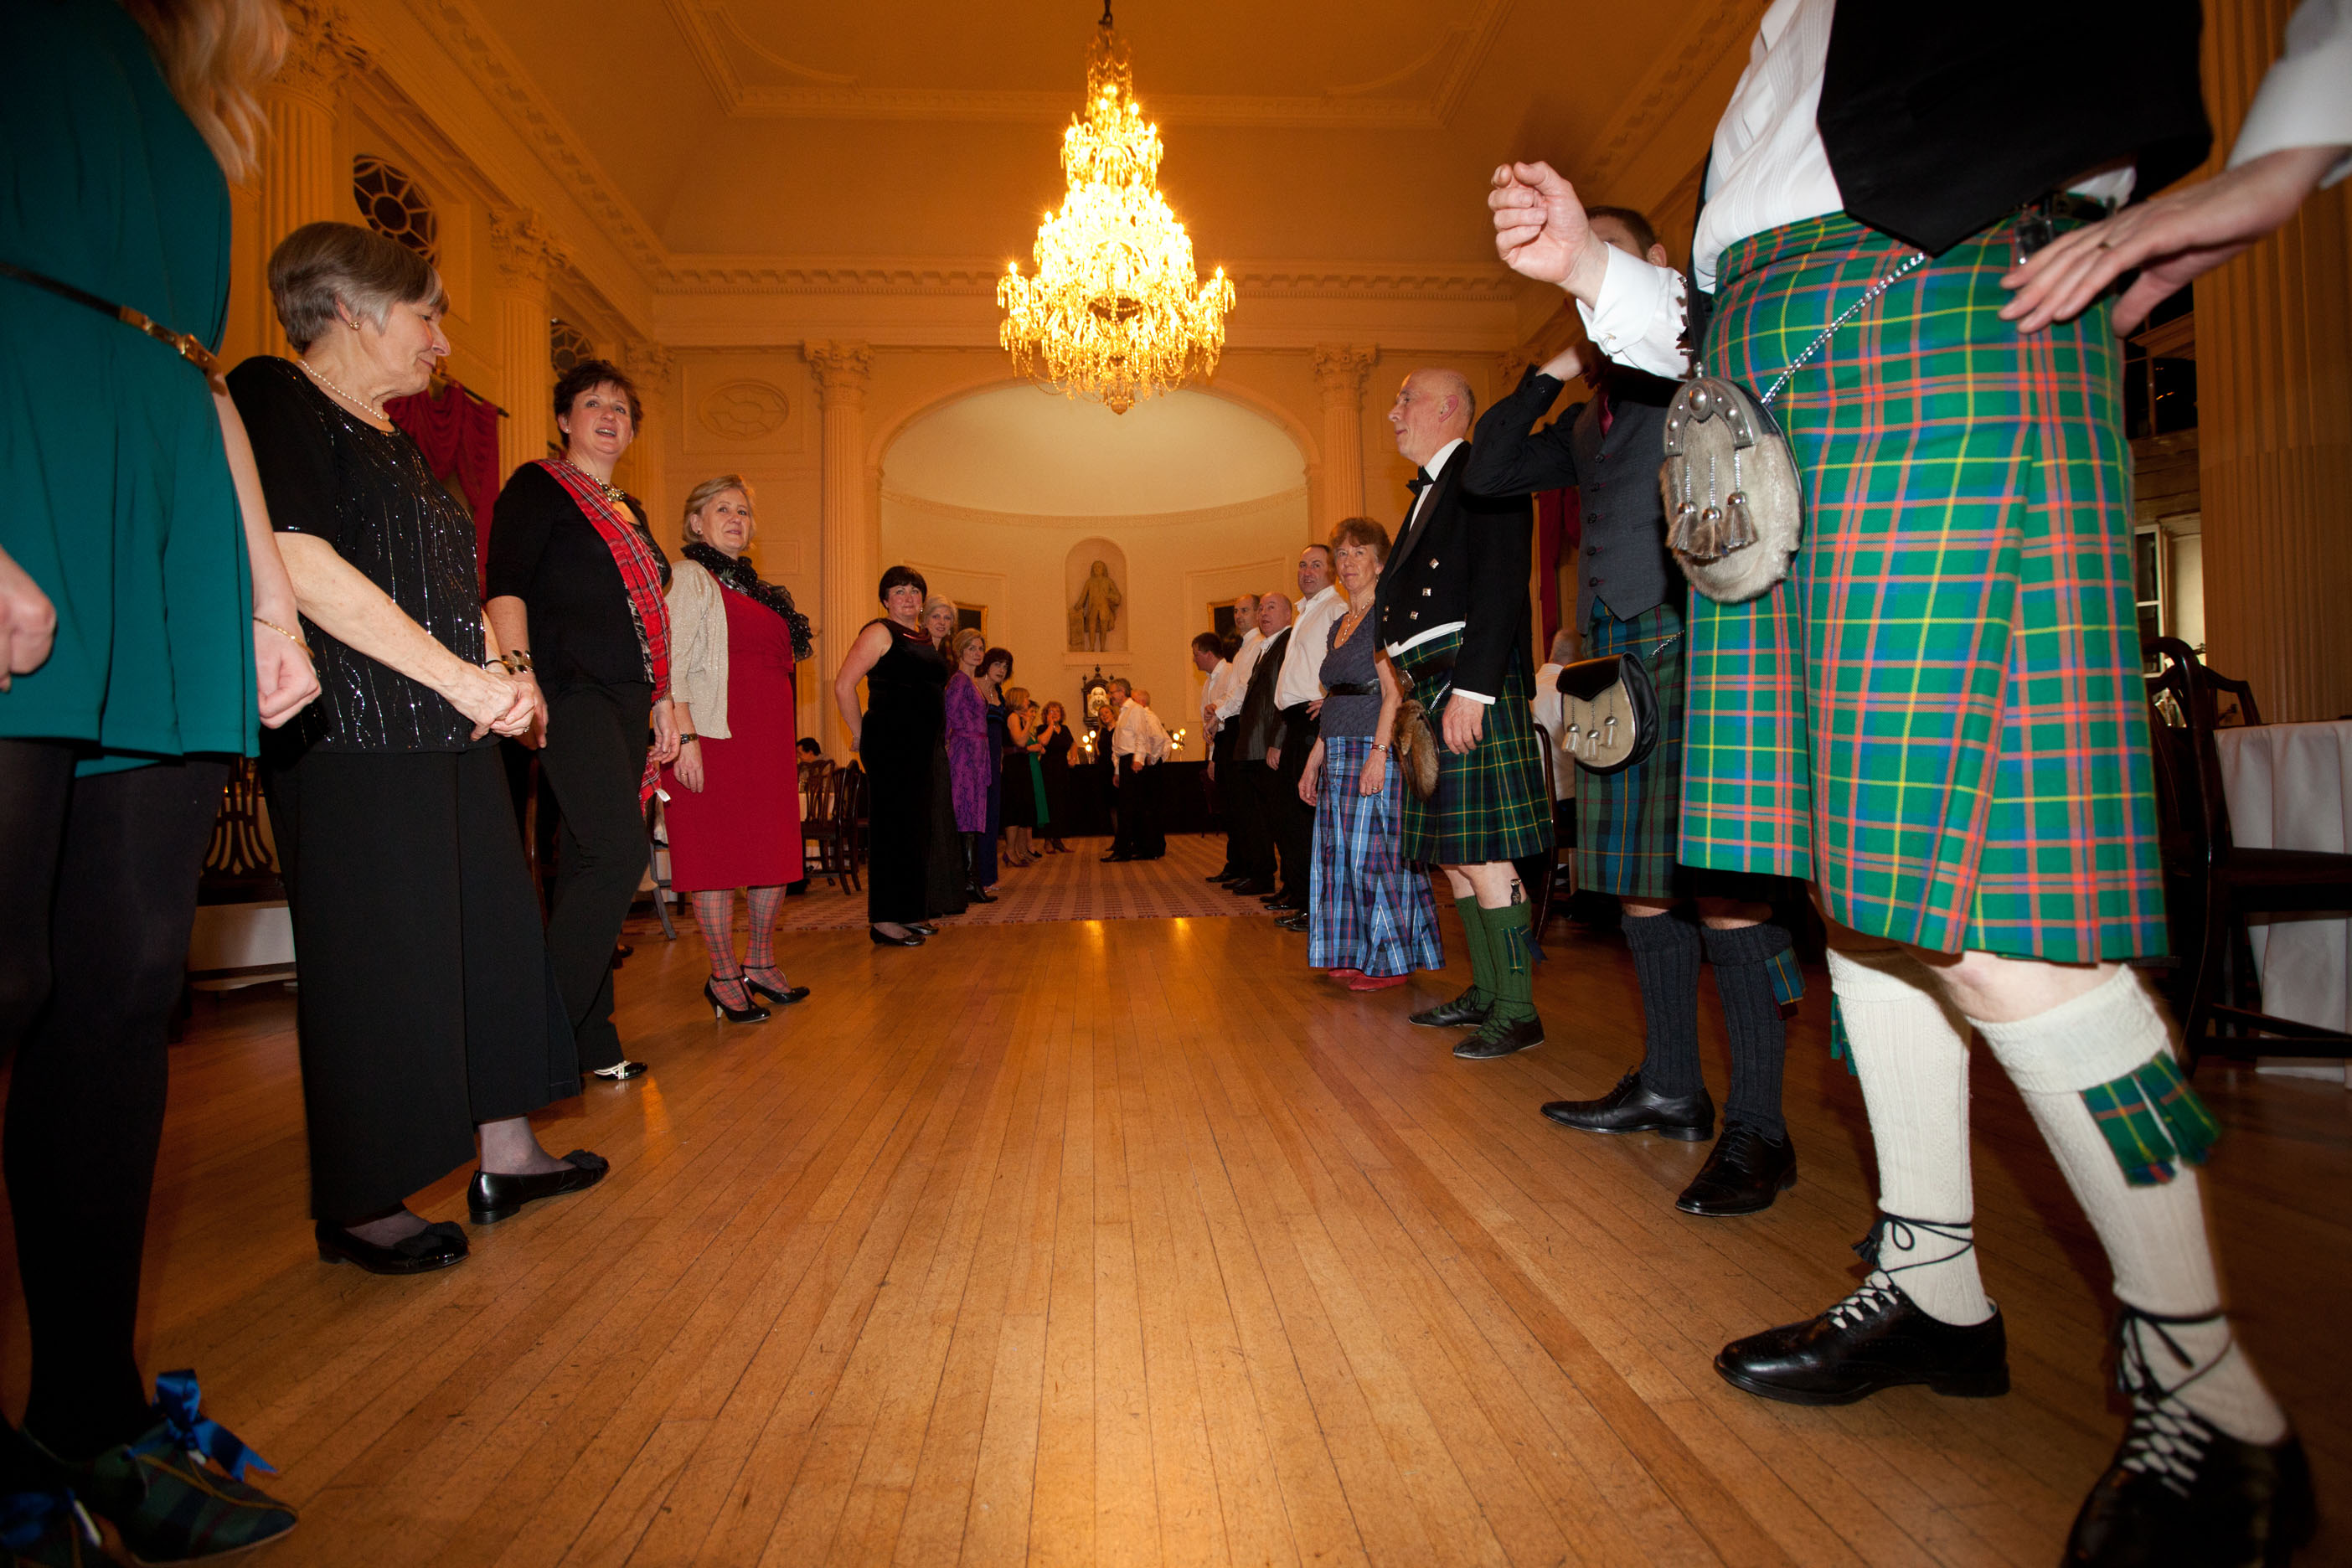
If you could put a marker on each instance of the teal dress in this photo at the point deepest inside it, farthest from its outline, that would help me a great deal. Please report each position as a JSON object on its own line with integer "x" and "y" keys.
{"x": 115, "y": 493}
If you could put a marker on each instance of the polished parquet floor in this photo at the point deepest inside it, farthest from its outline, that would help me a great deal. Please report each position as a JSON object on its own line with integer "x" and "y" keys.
{"x": 1134, "y": 1242}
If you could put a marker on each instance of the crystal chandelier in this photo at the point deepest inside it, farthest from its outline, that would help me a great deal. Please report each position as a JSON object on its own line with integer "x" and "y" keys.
{"x": 1116, "y": 312}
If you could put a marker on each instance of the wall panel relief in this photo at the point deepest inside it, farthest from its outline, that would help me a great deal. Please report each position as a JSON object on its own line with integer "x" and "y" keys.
{"x": 744, "y": 410}
{"x": 732, "y": 404}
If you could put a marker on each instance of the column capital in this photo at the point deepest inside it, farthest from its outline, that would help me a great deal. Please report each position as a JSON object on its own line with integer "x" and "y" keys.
{"x": 650, "y": 364}
{"x": 320, "y": 50}
{"x": 842, "y": 369}
{"x": 523, "y": 248}
{"x": 1341, "y": 369}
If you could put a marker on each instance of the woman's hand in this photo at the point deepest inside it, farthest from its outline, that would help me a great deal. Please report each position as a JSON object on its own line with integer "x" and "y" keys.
{"x": 487, "y": 697}
{"x": 284, "y": 680}
{"x": 1374, "y": 777}
{"x": 1310, "y": 777}
{"x": 687, "y": 769}
{"x": 28, "y": 623}
{"x": 665, "y": 732}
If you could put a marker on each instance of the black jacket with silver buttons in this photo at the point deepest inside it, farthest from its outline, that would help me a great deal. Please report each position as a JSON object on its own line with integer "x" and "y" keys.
{"x": 1464, "y": 558}
{"x": 1621, "y": 559}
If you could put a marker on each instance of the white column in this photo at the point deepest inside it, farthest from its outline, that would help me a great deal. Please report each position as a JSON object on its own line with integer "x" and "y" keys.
{"x": 1340, "y": 372}
{"x": 303, "y": 180}
{"x": 849, "y": 547}
{"x": 524, "y": 254}
{"x": 652, "y": 367}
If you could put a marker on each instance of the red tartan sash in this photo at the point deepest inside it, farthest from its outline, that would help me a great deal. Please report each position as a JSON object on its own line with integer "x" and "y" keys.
{"x": 640, "y": 574}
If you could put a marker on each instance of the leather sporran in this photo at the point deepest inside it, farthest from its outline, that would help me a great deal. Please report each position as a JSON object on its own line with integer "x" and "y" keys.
{"x": 1413, "y": 743}
{"x": 1608, "y": 712}
{"x": 1734, "y": 513}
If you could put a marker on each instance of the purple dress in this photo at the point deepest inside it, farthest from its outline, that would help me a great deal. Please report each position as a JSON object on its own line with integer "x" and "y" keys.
{"x": 972, "y": 754}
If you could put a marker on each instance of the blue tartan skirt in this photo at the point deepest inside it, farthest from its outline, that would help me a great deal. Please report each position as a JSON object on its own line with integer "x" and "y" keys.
{"x": 1366, "y": 909}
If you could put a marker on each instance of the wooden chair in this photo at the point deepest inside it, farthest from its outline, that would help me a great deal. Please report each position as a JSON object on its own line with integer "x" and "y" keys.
{"x": 838, "y": 842}
{"x": 2229, "y": 884}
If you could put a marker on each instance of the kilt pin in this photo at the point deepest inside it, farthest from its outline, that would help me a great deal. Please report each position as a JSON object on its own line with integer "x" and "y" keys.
{"x": 1938, "y": 717}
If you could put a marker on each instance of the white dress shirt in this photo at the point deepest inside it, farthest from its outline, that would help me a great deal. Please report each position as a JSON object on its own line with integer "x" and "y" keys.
{"x": 1138, "y": 733}
{"x": 1434, "y": 467}
{"x": 1301, "y": 678}
{"x": 1770, "y": 167}
{"x": 1237, "y": 675}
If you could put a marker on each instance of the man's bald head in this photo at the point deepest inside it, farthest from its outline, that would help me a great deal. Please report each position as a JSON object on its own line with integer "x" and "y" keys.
{"x": 1433, "y": 406}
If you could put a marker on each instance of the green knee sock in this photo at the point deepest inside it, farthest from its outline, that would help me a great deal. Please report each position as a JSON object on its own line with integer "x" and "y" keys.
{"x": 1510, "y": 936}
{"x": 1482, "y": 953}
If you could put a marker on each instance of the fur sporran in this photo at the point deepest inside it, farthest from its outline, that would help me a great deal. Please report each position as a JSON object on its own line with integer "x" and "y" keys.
{"x": 1413, "y": 743}
{"x": 1608, "y": 712}
{"x": 1734, "y": 513}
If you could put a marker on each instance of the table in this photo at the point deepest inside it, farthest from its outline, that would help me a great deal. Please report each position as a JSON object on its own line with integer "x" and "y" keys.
{"x": 2287, "y": 789}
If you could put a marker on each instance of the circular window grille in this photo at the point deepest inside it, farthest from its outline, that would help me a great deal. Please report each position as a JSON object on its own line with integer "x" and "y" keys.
{"x": 567, "y": 345}
{"x": 393, "y": 205}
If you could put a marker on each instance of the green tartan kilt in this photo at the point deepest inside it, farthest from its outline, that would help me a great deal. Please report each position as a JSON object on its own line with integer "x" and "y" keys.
{"x": 1628, "y": 823}
{"x": 1490, "y": 802}
{"x": 1939, "y": 717}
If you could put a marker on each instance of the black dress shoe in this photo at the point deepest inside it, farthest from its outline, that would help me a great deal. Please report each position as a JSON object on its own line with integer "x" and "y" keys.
{"x": 2179, "y": 1492}
{"x": 1227, "y": 875}
{"x": 790, "y": 994}
{"x": 884, "y": 939}
{"x": 1743, "y": 1173}
{"x": 1292, "y": 921}
{"x": 1500, "y": 1037}
{"x": 1251, "y": 888}
{"x": 978, "y": 895}
{"x": 1109, "y": 859}
{"x": 1460, "y": 1011}
{"x": 922, "y": 928}
{"x": 1875, "y": 1339}
{"x": 440, "y": 1245}
{"x": 751, "y": 1013}
{"x": 492, "y": 1197}
{"x": 1630, "y": 1108}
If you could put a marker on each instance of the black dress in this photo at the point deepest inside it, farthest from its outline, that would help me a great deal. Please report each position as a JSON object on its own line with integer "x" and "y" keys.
{"x": 428, "y": 1003}
{"x": 1020, "y": 808}
{"x": 903, "y": 745}
{"x": 1056, "y": 760}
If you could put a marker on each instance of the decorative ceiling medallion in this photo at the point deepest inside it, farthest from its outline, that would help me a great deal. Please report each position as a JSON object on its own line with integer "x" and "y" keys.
{"x": 1116, "y": 311}
{"x": 744, "y": 410}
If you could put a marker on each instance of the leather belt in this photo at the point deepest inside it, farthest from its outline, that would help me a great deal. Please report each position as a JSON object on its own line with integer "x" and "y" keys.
{"x": 189, "y": 346}
{"x": 1353, "y": 689}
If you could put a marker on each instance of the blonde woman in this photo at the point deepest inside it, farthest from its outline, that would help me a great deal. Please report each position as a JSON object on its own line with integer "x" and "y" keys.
{"x": 971, "y": 761}
{"x": 119, "y": 517}
{"x": 734, "y": 802}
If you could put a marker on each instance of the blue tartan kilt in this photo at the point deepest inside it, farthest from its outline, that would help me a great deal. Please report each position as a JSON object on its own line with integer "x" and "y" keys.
{"x": 1491, "y": 803}
{"x": 1366, "y": 909}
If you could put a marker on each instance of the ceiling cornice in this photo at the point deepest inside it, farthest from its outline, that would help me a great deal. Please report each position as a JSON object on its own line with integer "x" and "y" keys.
{"x": 1473, "y": 282}
{"x": 718, "y": 41}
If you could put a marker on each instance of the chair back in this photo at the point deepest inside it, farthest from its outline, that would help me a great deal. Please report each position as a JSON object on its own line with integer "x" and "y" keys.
{"x": 2187, "y": 762}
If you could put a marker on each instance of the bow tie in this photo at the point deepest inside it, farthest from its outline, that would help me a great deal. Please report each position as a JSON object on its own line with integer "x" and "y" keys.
{"x": 1419, "y": 482}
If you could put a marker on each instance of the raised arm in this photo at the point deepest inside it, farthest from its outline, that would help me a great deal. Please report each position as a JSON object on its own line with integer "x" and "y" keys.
{"x": 1509, "y": 457}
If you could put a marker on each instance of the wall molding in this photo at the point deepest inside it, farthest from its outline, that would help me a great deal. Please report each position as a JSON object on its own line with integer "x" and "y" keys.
{"x": 1233, "y": 511}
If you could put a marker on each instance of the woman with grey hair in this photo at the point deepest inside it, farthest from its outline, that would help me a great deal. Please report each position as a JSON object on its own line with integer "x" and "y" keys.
{"x": 429, "y": 1015}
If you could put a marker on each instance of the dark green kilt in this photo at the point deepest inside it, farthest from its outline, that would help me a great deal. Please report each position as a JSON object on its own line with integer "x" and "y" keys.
{"x": 1629, "y": 824}
{"x": 1490, "y": 802}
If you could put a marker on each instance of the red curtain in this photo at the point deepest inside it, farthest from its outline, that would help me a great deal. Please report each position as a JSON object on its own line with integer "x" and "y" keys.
{"x": 458, "y": 433}
{"x": 1558, "y": 531}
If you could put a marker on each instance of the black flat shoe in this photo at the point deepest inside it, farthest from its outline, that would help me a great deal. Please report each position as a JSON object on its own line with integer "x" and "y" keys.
{"x": 1292, "y": 921}
{"x": 884, "y": 939}
{"x": 623, "y": 1068}
{"x": 790, "y": 994}
{"x": 437, "y": 1245}
{"x": 2179, "y": 1491}
{"x": 1744, "y": 1172}
{"x": 1501, "y": 1037}
{"x": 752, "y": 1014}
{"x": 1875, "y": 1339}
{"x": 1249, "y": 888}
{"x": 1457, "y": 1013}
{"x": 922, "y": 928}
{"x": 492, "y": 1198}
{"x": 1630, "y": 1108}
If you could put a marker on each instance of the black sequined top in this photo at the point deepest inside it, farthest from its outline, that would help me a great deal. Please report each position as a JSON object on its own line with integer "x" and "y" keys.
{"x": 370, "y": 494}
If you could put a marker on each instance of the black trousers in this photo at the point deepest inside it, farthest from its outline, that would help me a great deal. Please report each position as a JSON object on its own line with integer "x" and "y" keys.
{"x": 97, "y": 883}
{"x": 1249, "y": 842}
{"x": 428, "y": 1003}
{"x": 1290, "y": 821}
{"x": 595, "y": 756}
{"x": 1140, "y": 834}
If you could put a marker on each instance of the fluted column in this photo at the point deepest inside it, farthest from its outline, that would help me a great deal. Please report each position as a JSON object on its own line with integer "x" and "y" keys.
{"x": 1340, "y": 372}
{"x": 849, "y": 546}
{"x": 303, "y": 180}
{"x": 652, "y": 367}
{"x": 2275, "y": 421}
{"x": 524, "y": 255}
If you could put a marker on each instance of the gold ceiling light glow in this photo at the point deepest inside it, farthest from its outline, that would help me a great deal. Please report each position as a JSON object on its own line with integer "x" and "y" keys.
{"x": 1116, "y": 311}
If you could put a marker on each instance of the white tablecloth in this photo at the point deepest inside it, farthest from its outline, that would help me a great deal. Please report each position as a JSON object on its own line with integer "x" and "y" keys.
{"x": 2287, "y": 789}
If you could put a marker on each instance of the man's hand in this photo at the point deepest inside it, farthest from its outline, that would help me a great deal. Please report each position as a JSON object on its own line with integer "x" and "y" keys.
{"x": 1315, "y": 708}
{"x": 665, "y": 732}
{"x": 283, "y": 680}
{"x": 1465, "y": 721}
{"x": 1274, "y": 756}
{"x": 28, "y": 623}
{"x": 2171, "y": 240}
{"x": 1542, "y": 232}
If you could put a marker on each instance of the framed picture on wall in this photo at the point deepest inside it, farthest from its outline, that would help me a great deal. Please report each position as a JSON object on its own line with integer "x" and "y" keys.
{"x": 1221, "y": 618}
{"x": 972, "y": 616}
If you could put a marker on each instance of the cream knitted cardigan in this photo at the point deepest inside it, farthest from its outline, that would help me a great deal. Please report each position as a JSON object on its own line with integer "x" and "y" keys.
{"x": 698, "y": 647}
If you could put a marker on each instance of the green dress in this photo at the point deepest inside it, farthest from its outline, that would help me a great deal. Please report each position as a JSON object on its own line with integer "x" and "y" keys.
{"x": 115, "y": 493}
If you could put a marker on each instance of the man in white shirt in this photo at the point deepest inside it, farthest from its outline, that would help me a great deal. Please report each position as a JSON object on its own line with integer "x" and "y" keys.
{"x": 1220, "y": 706}
{"x": 1138, "y": 743}
{"x": 1938, "y": 716}
{"x": 1298, "y": 695}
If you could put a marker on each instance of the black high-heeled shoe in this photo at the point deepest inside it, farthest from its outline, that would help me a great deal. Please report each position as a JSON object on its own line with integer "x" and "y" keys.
{"x": 884, "y": 939}
{"x": 750, "y": 1013}
{"x": 785, "y": 998}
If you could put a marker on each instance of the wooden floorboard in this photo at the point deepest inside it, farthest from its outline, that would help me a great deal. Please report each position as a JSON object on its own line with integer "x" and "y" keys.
{"x": 1135, "y": 1242}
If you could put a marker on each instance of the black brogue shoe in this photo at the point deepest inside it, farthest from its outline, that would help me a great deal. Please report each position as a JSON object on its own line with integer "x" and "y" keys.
{"x": 1466, "y": 1011}
{"x": 1630, "y": 1108}
{"x": 1744, "y": 1172}
{"x": 1876, "y": 1338}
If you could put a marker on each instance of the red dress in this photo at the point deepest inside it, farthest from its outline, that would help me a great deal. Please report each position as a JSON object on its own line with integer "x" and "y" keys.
{"x": 743, "y": 829}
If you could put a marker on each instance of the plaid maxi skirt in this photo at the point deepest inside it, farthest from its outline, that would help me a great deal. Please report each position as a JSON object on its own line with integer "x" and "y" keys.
{"x": 1366, "y": 909}
{"x": 1490, "y": 802}
{"x": 1939, "y": 717}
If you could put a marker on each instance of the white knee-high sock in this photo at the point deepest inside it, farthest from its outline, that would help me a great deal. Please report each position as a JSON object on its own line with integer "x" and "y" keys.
{"x": 1911, "y": 1052}
{"x": 2155, "y": 1235}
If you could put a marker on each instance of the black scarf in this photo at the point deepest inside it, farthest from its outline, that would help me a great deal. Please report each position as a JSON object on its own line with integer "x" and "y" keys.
{"x": 736, "y": 573}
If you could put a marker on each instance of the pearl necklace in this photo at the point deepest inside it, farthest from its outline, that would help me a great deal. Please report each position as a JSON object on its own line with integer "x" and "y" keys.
{"x": 373, "y": 410}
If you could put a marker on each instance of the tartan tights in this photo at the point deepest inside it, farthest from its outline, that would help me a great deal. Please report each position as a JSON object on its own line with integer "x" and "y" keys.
{"x": 714, "y": 911}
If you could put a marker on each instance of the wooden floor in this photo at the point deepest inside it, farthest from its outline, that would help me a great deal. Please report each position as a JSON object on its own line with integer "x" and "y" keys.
{"x": 1134, "y": 1242}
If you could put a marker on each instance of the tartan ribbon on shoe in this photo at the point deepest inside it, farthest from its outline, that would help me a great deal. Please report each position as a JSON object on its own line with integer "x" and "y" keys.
{"x": 641, "y": 574}
{"x": 2151, "y": 1117}
{"x": 186, "y": 1426}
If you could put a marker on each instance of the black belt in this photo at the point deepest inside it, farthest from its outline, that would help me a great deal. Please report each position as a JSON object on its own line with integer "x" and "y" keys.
{"x": 190, "y": 348}
{"x": 1353, "y": 689}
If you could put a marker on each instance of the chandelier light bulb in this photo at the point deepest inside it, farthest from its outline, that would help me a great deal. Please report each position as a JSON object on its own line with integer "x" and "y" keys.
{"x": 1116, "y": 311}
